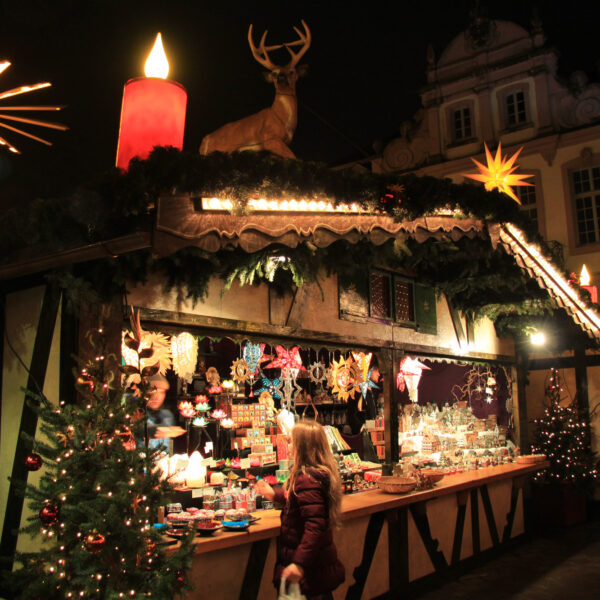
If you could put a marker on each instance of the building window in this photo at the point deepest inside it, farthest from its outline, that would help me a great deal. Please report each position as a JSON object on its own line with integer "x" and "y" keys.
{"x": 528, "y": 197}
{"x": 462, "y": 124}
{"x": 586, "y": 191}
{"x": 515, "y": 109}
{"x": 391, "y": 297}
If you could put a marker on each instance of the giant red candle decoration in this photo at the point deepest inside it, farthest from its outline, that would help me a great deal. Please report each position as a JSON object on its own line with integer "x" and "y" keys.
{"x": 153, "y": 110}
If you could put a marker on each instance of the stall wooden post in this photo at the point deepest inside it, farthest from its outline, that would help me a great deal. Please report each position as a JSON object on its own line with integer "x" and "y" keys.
{"x": 386, "y": 360}
{"x": 581, "y": 380}
{"x": 521, "y": 405}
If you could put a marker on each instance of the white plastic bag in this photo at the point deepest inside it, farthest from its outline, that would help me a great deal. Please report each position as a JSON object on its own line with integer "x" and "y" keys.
{"x": 290, "y": 593}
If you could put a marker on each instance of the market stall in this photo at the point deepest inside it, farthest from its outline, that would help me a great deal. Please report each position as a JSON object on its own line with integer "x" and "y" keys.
{"x": 386, "y": 542}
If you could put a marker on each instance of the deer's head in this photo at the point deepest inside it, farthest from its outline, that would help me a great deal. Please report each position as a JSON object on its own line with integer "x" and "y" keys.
{"x": 283, "y": 77}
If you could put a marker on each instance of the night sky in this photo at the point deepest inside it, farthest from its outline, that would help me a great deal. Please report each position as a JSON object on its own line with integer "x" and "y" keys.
{"x": 366, "y": 66}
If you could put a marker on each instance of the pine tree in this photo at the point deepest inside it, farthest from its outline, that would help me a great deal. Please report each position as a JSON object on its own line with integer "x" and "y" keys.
{"x": 99, "y": 495}
{"x": 563, "y": 435}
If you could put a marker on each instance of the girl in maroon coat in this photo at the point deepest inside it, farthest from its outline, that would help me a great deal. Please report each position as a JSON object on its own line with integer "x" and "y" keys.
{"x": 312, "y": 498}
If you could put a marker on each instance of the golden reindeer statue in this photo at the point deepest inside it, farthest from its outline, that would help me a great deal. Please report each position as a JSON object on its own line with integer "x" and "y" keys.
{"x": 272, "y": 128}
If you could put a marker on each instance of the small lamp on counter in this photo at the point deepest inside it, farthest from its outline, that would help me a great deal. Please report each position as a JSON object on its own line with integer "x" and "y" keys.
{"x": 584, "y": 281}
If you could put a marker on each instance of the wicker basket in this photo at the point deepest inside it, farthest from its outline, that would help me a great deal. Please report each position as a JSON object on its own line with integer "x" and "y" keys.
{"x": 434, "y": 474}
{"x": 396, "y": 485}
{"x": 529, "y": 459}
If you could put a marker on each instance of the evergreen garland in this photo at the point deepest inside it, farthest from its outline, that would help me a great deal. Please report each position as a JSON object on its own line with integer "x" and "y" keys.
{"x": 469, "y": 271}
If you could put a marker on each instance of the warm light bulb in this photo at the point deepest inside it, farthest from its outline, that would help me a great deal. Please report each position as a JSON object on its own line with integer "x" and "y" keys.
{"x": 584, "y": 276}
{"x": 157, "y": 64}
{"x": 537, "y": 338}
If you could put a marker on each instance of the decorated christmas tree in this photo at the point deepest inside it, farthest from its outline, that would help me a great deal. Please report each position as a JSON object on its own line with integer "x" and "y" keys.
{"x": 563, "y": 435}
{"x": 98, "y": 498}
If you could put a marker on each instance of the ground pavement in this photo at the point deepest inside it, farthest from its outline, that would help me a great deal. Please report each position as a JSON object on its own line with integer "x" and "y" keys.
{"x": 557, "y": 564}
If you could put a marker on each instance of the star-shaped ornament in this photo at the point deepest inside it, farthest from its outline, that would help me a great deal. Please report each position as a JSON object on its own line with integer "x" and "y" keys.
{"x": 499, "y": 173}
{"x": 287, "y": 360}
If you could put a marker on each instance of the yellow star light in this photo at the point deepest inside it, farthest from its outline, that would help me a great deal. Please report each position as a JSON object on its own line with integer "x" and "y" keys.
{"x": 19, "y": 119}
{"x": 499, "y": 173}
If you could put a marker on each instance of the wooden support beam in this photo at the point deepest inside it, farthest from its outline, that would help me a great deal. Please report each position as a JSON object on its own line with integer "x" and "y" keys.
{"x": 386, "y": 359}
{"x": 563, "y": 362}
{"x": 419, "y": 515}
{"x": 398, "y": 558}
{"x": 489, "y": 514}
{"x": 254, "y": 569}
{"x": 28, "y": 425}
{"x": 475, "y": 522}
{"x": 360, "y": 573}
{"x": 459, "y": 528}
{"x": 517, "y": 485}
{"x": 461, "y": 336}
{"x": 522, "y": 421}
{"x": 581, "y": 380}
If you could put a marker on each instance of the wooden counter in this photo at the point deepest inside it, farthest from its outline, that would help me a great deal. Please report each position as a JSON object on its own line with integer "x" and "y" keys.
{"x": 386, "y": 542}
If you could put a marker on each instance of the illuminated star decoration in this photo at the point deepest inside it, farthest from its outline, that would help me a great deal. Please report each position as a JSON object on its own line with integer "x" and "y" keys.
{"x": 409, "y": 376}
{"x": 367, "y": 384}
{"x": 12, "y": 117}
{"x": 287, "y": 360}
{"x": 346, "y": 375}
{"x": 272, "y": 386}
{"x": 499, "y": 173}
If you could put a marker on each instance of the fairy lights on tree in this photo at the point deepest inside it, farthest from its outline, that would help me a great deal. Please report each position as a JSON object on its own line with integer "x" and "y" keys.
{"x": 99, "y": 494}
{"x": 563, "y": 435}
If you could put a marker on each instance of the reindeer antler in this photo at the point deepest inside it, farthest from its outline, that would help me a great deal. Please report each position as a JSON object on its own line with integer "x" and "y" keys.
{"x": 261, "y": 54}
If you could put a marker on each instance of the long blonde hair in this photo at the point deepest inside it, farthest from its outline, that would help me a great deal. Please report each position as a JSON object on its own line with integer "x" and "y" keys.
{"x": 311, "y": 450}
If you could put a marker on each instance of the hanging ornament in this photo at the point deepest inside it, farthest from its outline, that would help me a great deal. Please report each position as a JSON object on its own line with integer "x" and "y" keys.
{"x": 368, "y": 384}
{"x": 289, "y": 391}
{"x": 499, "y": 173}
{"x": 346, "y": 376}
{"x": 329, "y": 376}
{"x": 33, "y": 462}
{"x": 150, "y": 547}
{"x": 273, "y": 386}
{"x": 159, "y": 343}
{"x": 252, "y": 354}
{"x": 95, "y": 543}
{"x": 49, "y": 514}
{"x": 409, "y": 375}
{"x": 239, "y": 371}
{"x": 288, "y": 361}
{"x": 184, "y": 349}
{"x": 317, "y": 373}
{"x": 179, "y": 579}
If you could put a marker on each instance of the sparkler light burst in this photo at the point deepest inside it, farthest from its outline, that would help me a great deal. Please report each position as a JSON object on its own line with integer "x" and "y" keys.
{"x": 7, "y": 113}
{"x": 499, "y": 173}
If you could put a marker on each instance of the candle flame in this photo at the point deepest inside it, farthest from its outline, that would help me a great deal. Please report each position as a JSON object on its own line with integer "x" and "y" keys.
{"x": 157, "y": 64}
{"x": 584, "y": 276}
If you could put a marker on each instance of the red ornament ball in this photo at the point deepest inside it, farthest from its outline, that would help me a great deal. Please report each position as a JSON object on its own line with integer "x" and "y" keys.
{"x": 180, "y": 578}
{"x": 95, "y": 543}
{"x": 49, "y": 514}
{"x": 33, "y": 462}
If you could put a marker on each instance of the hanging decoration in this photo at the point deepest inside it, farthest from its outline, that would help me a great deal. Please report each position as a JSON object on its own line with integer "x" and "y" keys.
{"x": 409, "y": 375}
{"x": 95, "y": 543}
{"x": 199, "y": 422}
{"x": 214, "y": 380}
{"x": 253, "y": 355}
{"x": 159, "y": 343}
{"x": 363, "y": 361}
{"x": 498, "y": 174}
{"x": 33, "y": 462}
{"x": 288, "y": 361}
{"x": 289, "y": 391}
{"x": 367, "y": 385}
{"x": 346, "y": 376}
{"x": 272, "y": 386}
{"x": 240, "y": 371}
{"x": 49, "y": 514}
{"x": 184, "y": 348}
{"x": 317, "y": 373}
{"x": 7, "y": 113}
